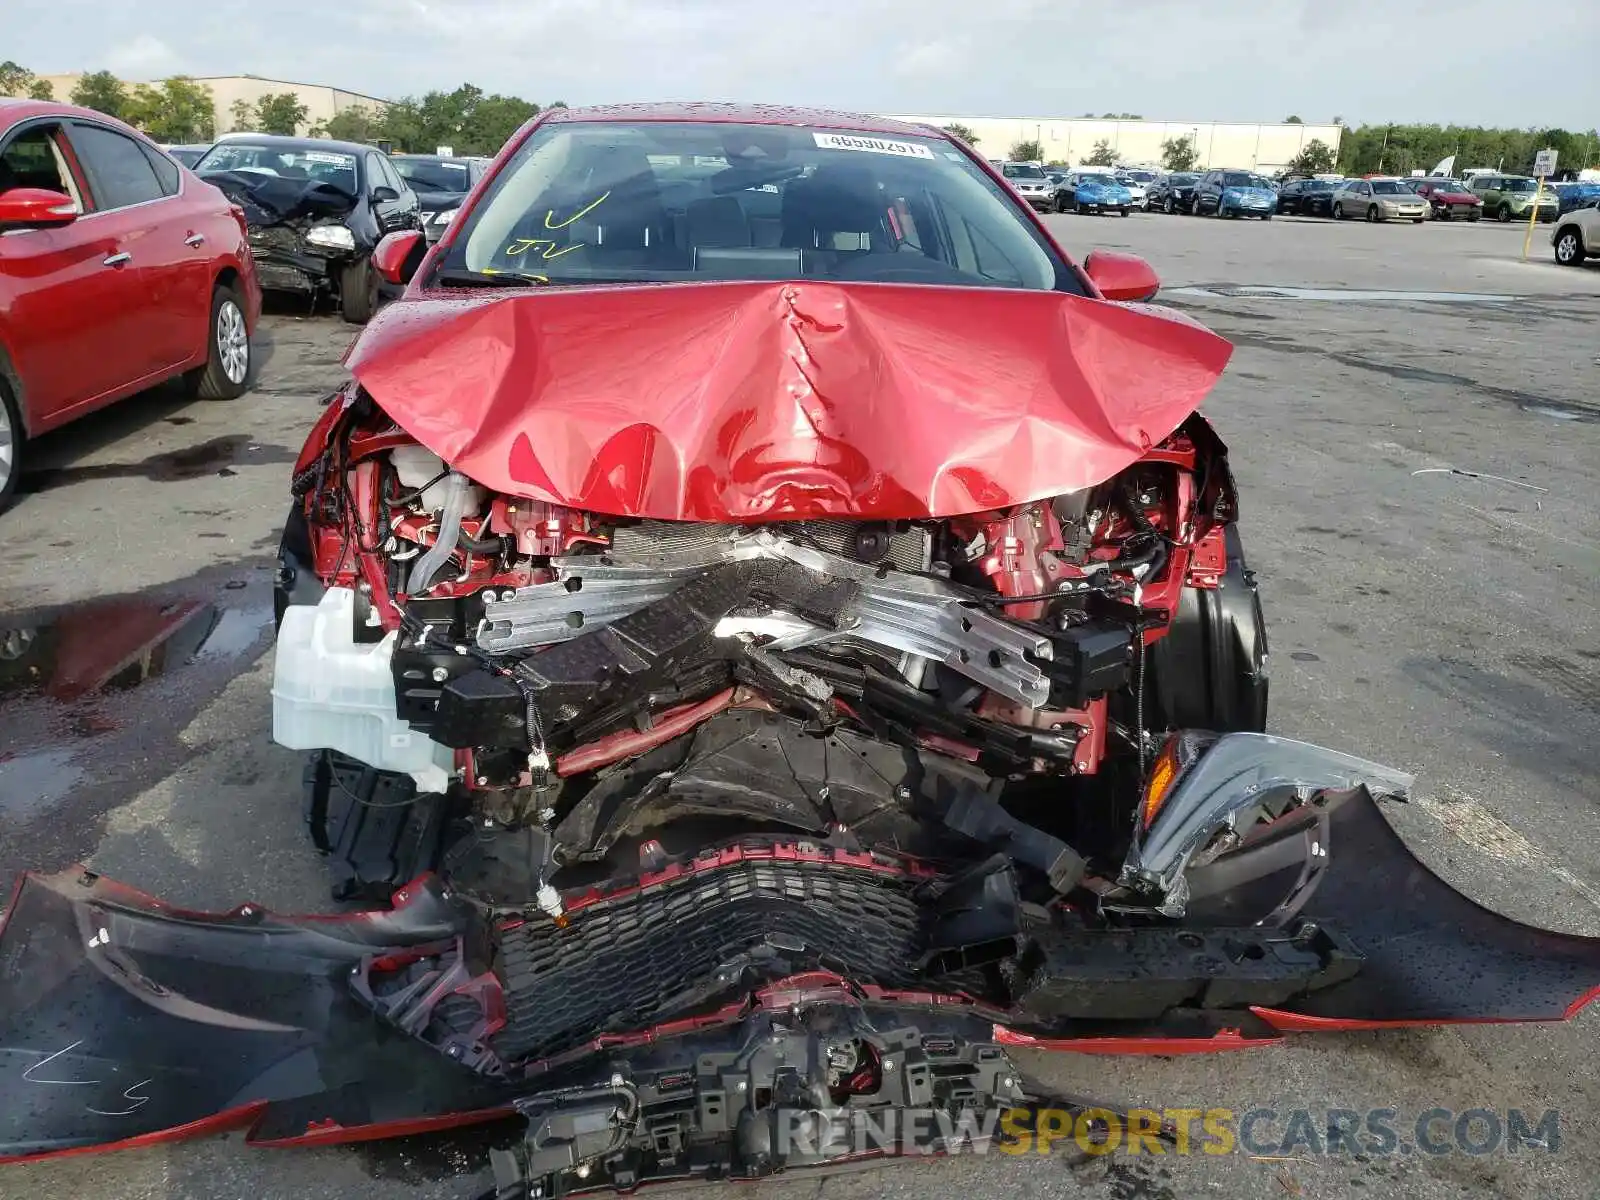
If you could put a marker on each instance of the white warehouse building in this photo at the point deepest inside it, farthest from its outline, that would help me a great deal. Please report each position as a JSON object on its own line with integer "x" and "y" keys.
{"x": 1266, "y": 148}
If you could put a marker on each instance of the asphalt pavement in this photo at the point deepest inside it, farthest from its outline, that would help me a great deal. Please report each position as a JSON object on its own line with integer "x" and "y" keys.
{"x": 1419, "y": 481}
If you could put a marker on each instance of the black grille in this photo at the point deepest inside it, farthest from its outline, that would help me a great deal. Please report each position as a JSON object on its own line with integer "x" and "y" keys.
{"x": 622, "y": 964}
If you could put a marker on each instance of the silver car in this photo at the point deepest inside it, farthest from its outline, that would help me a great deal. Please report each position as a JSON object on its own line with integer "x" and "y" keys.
{"x": 1030, "y": 183}
{"x": 1379, "y": 200}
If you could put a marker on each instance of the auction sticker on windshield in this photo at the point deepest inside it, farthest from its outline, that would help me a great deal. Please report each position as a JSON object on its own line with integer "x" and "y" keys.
{"x": 322, "y": 156}
{"x": 872, "y": 145}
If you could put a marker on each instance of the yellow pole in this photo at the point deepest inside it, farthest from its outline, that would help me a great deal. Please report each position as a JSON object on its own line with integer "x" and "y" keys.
{"x": 1533, "y": 215}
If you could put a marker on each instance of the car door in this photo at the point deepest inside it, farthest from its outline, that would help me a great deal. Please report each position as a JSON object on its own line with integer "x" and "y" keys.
{"x": 388, "y": 204}
{"x": 77, "y": 305}
{"x": 129, "y": 193}
{"x": 410, "y": 203}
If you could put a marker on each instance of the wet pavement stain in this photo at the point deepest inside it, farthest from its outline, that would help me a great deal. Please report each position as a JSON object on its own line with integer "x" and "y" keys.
{"x": 93, "y": 698}
{"x": 219, "y": 456}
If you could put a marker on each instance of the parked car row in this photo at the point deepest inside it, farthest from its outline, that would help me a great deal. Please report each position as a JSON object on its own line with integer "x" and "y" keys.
{"x": 1242, "y": 193}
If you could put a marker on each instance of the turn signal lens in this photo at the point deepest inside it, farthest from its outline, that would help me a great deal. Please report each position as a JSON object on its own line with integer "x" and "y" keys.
{"x": 1162, "y": 776}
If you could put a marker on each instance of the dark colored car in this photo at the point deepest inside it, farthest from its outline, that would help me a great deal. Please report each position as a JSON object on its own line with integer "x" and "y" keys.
{"x": 1092, "y": 192}
{"x": 1172, "y": 192}
{"x": 1307, "y": 197}
{"x": 1234, "y": 194}
{"x": 441, "y": 184}
{"x": 118, "y": 270}
{"x": 188, "y": 155}
{"x": 773, "y": 636}
{"x": 316, "y": 209}
{"x": 1574, "y": 196}
{"x": 1448, "y": 199}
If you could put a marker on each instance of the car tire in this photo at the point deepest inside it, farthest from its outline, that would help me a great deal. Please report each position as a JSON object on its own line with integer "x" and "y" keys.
{"x": 1167, "y": 206}
{"x": 1474, "y": 216}
{"x": 12, "y": 440}
{"x": 1417, "y": 220}
{"x": 226, "y": 374}
{"x": 1503, "y": 213}
{"x": 1124, "y": 211}
{"x": 1338, "y": 212}
{"x": 1372, "y": 214}
{"x": 358, "y": 292}
{"x": 1266, "y": 216}
{"x": 1569, "y": 253}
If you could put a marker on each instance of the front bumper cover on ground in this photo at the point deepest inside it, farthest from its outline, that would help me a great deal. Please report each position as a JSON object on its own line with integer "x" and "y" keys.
{"x": 127, "y": 1021}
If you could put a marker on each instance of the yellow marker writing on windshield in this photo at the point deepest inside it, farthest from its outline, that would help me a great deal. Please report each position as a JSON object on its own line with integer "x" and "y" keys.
{"x": 551, "y": 223}
{"x": 524, "y": 245}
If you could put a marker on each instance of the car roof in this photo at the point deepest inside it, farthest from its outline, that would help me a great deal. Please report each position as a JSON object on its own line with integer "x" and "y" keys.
{"x": 297, "y": 143}
{"x": 439, "y": 158}
{"x": 15, "y": 108}
{"x": 740, "y": 114}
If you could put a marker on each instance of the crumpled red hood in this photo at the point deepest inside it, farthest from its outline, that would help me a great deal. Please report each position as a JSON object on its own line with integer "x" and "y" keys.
{"x": 738, "y": 402}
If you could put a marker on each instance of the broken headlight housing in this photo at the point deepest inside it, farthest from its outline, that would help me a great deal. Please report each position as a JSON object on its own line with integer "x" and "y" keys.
{"x": 330, "y": 237}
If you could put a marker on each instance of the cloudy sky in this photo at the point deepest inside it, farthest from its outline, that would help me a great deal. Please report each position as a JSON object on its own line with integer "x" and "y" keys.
{"x": 1471, "y": 61}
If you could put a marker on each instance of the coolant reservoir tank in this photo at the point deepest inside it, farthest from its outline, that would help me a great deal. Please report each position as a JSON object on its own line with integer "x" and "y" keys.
{"x": 416, "y": 465}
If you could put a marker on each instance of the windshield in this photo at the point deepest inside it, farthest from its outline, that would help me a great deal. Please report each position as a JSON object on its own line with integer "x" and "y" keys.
{"x": 1390, "y": 187}
{"x": 1320, "y": 185}
{"x": 615, "y": 202}
{"x": 314, "y": 166}
{"x": 1181, "y": 179}
{"x": 1242, "y": 179}
{"x": 435, "y": 174}
{"x": 1520, "y": 185}
{"x": 1140, "y": 176}
{"x": 1022, "y": 171}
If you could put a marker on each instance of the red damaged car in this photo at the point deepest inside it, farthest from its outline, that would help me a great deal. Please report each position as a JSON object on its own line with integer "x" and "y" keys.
{"x": 1448, "y": 199}
{"x": 772, "y": 634}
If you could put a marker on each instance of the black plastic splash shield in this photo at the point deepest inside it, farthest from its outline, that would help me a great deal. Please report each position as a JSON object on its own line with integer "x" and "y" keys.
{"x": 123, "y": 1020}
{"x": 121, "y": 1017}
{"x": 1432, "y": 956}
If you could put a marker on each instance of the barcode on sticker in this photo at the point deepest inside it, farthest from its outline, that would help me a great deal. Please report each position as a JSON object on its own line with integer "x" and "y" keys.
{"x": 871, "y": 145}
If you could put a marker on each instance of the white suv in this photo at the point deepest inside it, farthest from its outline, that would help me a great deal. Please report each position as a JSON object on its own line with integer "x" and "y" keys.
{"x": 1577, "y": 236}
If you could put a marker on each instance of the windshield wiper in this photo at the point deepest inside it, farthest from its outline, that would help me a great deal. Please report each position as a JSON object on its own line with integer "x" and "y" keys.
{"x": 491, "y": 278}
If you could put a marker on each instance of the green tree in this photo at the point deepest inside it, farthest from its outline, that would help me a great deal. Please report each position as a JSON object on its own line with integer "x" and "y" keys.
{"x": 280, "y": 112}
{"x": 1293, "y": 121}
{"x": 492, "y": 121}
{"x": 241, "y": 116}
{"x": 353, "y": 124}
{"x": 1027, "y": 151}
{"x": 101, "y": 91}
{"x": 1101, "y": 156}
{"x": 177, "y": 110}
{"x": 1178, "y": 154}
{"x": 17, "y": 80}
{"x": 957, "y": 130}
{"x": 1317, "y": 158}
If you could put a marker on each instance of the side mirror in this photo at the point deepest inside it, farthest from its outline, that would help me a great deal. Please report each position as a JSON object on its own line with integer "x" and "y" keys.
{"x": 382, "y": 194}
{"x": 35, "y": 208}
{"x": 1121, "y": 276}
{"x": 398, "y": 255}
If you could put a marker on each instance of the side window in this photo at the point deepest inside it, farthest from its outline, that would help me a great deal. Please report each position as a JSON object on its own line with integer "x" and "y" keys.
{"x": 377, "y": 177}
{"x": 166, "y": 170}
{"x": 117, "y": 166}
{"x": 32, "y": 159}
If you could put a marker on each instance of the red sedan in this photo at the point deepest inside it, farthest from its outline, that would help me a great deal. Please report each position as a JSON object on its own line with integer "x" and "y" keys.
{"x": 118, "y": 270}
{"x": 1448, "y": 199}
